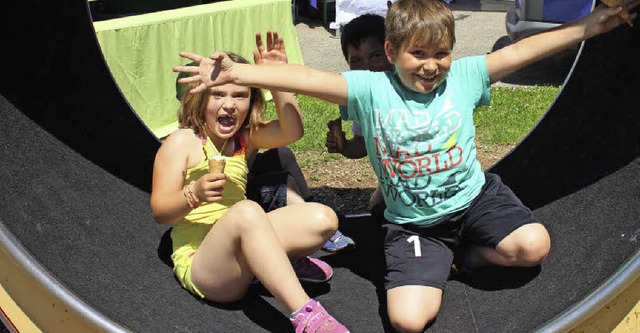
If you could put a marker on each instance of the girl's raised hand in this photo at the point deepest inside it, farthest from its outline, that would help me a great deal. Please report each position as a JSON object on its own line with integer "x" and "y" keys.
{"x": 274, "y": 53}
{"x": 211, "y": 72}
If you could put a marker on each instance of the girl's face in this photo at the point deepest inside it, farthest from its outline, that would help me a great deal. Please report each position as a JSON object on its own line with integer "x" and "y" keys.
{"x": 421, "y": 68}
{"x": 227, "y": 109}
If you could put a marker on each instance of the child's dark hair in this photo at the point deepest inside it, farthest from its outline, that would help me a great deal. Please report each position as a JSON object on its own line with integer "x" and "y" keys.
{"x": 361, "y": 28}
{"x": 191, "y": 113}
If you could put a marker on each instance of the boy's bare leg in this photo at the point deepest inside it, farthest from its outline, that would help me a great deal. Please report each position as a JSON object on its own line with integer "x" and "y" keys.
{"x": 527, "y": 246}
{"x": 289, "y": 163}
{"x": 293, "y": 193}
{"x": 411, "y": 308}
{"x": 376, "y": 198}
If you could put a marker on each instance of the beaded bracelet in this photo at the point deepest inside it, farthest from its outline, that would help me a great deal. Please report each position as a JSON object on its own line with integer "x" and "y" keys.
{"x": 186, "y": 197}
{"x": 189, "y": 195}
{"x": 194, "y": 199}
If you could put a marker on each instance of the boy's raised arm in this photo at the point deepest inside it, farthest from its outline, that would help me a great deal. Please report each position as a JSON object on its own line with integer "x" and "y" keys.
{"x": 510, "y": 59}
{"x": 219, "y": 70}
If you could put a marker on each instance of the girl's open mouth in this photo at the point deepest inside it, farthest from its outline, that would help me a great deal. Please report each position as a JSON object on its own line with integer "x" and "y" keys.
{"x": 226, "y": 123}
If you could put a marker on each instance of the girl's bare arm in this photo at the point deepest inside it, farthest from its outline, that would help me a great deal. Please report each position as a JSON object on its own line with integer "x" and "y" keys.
{"x": 178, "y": 152}
{"x": 288, "y": 128}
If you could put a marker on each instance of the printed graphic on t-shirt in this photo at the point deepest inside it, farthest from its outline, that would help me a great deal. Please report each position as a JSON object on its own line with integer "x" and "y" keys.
{"x": 416, "y": 151}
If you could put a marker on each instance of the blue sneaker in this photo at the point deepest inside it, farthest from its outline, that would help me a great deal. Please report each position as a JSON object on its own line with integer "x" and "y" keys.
{"x": 338, "y": 242}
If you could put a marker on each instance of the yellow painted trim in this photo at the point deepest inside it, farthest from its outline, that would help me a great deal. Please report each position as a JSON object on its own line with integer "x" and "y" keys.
{"x": 34, "y": 302}
{"x": 618, "y": 316}
{"x": 14, "y": 314}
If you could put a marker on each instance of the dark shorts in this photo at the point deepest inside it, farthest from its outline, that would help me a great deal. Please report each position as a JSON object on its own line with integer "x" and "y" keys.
{"x": 423, "y": 255}
{"x": 267, "y": 181}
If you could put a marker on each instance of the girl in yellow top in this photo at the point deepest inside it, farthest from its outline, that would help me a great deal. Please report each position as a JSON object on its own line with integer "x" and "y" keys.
{"x": 221, "y": 241}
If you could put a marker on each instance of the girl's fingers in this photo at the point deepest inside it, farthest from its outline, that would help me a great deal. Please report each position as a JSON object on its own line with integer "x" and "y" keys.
{"x": 191, "y": 56}
{"x": 189, "y": 79}
{"x": 197, "y": 89}
{"x": 213, "y": 193}
{"x": 217, "y": 56}
{"x": 186, "y": 69}
{"x": 269, "y": 40}
{"x": 259, "y": 43}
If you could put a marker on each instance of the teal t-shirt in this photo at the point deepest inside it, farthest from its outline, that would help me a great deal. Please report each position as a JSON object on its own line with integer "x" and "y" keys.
{"x": 421, "y": 146}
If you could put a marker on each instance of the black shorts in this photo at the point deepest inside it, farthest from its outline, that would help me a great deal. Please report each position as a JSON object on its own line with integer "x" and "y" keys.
{"x": 267, "y": 181}
{"x": 423, "y": 255}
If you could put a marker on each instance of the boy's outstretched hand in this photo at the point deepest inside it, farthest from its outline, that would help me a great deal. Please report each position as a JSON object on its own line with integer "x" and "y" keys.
{"x": 607, "y": 18}
{"x": 211, "y": 72}
{"x": 274, "y": 53}
{"x": 624, "y": 14}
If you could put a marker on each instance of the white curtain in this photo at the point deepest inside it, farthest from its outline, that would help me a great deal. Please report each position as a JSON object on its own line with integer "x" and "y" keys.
{"x": 347, "y": 10}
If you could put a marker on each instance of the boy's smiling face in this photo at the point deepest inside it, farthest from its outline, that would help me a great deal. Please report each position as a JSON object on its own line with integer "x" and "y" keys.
{"x": 421, "y": 68}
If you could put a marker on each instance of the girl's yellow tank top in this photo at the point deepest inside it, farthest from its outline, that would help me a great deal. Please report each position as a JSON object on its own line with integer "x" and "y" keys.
{"x": 234, "y": 189}
{"x": 189, "y": 232}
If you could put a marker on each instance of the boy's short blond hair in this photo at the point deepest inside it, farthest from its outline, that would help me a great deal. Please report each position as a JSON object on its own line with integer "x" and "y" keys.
{"x": 419, "y": 22}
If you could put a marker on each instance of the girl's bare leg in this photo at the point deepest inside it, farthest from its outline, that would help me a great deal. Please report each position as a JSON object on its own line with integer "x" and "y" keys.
{"x": 303, "y": 228}
{"x": 244, "y": 243}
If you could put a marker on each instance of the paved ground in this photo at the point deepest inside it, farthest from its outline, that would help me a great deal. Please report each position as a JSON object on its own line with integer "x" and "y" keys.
{"x": 480, "y": 28}
{"x": 477, "y": 31}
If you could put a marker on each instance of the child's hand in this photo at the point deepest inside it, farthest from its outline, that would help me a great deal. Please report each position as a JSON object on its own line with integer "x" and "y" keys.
{"x": 604, "y": 19}
{"x": 211, "y": 72}
{"x": 209, "y": 187}
{"x": 332, "y": 143}
{"x": 274, "y": 53}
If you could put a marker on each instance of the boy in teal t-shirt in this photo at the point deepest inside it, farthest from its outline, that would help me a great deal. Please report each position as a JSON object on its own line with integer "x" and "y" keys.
{"x": 419, "y": 133}
{"x": 422, "y": 145}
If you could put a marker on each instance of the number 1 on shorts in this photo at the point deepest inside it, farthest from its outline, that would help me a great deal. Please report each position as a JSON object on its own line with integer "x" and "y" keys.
{"x": 416, "y": 245}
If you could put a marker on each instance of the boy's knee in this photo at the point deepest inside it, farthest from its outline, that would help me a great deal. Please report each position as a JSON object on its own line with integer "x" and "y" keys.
{"x": 412, "y": 308}
{"x": 286, "y": 154}
{"x": 287, "y": 157}
{"x": 411, "y": 322}
{"x": 534, "y": 246}
{"x": 537, "y": 248}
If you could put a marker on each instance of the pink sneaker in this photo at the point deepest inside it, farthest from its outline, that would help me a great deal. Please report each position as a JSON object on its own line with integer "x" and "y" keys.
{"x": 313, "y": 318}
{"x": 312, "y": 270}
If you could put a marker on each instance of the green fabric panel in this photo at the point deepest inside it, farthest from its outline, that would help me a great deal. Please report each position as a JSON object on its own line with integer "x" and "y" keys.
{"x": 141, "y": 50}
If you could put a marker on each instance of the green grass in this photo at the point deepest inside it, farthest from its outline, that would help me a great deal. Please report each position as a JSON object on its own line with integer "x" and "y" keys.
{"x": 512, "y": 114}
{"x": 315, "y": 113}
